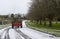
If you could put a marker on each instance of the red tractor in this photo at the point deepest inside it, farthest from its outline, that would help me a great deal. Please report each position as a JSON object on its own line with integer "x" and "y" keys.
{"x": 16, "y": 23}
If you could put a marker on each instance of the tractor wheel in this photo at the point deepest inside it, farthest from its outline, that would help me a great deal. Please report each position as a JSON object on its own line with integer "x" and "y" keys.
{"x": 21, "y": 26}
{"x": 12, "y": 27}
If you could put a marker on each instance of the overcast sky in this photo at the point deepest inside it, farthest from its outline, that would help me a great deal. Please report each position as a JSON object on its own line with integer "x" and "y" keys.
{"x": 14, "y": 6}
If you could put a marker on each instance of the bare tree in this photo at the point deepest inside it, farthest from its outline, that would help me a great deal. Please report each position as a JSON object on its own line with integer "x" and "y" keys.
{"x": 42, "y": 9}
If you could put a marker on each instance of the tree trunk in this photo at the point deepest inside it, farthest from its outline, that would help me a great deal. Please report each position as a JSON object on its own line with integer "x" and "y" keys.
{"x": 56, "y": 22}
{"x": 37, "y": 21}
{"x": 40, "y": 22}
{"x": 44, "y": 22}
{"x": 50, "y": 23}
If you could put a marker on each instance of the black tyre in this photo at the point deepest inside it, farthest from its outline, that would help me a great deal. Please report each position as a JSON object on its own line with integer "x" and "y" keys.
{"x": 21, "y": 26}
{"x": 12, "y": 27}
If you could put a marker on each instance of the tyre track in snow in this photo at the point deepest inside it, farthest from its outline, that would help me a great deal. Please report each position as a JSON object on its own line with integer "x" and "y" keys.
{"x": 23, "y": 35}
{"x": 7, "y": 34}
{"x": 2, "y": 33}
{"x": 6, "y": 31}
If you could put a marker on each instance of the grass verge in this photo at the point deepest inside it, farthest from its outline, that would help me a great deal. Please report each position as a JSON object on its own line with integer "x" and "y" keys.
{"x": 4, "y": 26}
{"x": 54, "y": 30}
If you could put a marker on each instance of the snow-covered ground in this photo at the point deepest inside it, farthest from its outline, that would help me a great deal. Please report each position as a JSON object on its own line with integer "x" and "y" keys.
{"x": 14, "y": 35}
{"x": 36, "y": 34}
{"x": 24, "y": 33}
